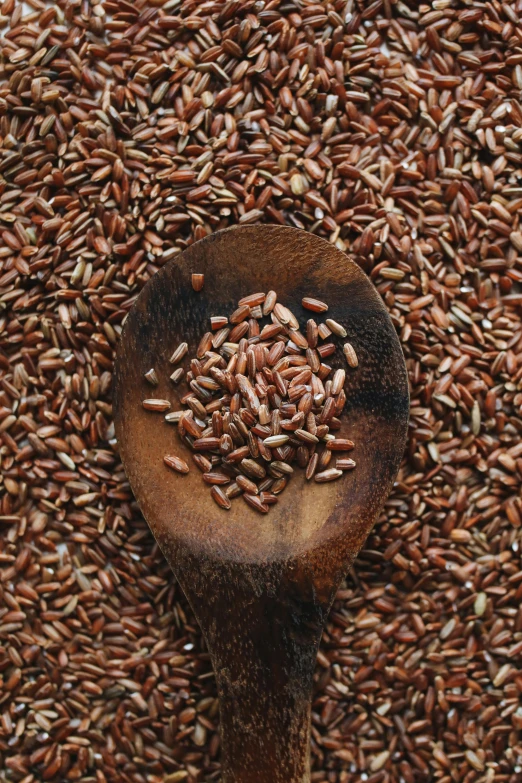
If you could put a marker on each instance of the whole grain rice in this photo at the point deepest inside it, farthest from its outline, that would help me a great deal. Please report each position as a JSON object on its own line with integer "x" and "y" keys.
{"x": 130, "y": 130}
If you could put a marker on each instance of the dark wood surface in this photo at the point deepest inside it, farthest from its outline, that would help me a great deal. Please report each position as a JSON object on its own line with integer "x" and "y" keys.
{"x": 261, "y": 586}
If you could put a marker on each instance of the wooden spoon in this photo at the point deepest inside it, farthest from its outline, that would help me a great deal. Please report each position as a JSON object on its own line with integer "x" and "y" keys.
{"x": 261, "y": 586}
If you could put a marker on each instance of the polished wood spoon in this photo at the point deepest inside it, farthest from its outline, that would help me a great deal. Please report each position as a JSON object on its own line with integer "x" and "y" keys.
{"x": 261, "y": 585}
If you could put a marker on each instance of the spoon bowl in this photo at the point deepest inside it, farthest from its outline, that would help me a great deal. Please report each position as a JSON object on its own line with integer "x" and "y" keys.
{"x": 261, "y": 585}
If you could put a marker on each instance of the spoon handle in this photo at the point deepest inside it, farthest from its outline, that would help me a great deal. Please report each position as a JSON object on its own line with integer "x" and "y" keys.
{"x": 263, "y": 638}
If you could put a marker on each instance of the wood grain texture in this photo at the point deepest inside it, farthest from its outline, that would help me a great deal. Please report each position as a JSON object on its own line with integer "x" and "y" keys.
{"x": 261, "y": 586}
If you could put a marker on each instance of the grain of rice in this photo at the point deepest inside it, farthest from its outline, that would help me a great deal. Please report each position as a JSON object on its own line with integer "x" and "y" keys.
{"x": 281, "y": 467}
{"x": 252, "y": 300}
{"x": 314, "y": 304}
{"x": 339, "y": 444}
{"x": 247, "y": 485}
{"x": 189, "y": 425}
{"x": 220, "y": 498}
{"x": 306, "y": 437}
{"x": 345, "y": 464}
{"x": 312, "y": 333}
{"x": 268, "y": 498}
{"x": 328, "y": 475}
{"x": 312, "y": 466}
{"x": 202, "y": 462}
{"x": 336, "y": 328}
{"x": 233, "y": 490}
{"x": 207, "y": 443}
{"x": 269, "y": 303}
{"x": 338, "y": 381}
{"x": 215, "y": 478}
{"x": 351, "y": 356}
{"x": 275, "y": 440}
{"x": 325, "y": 350}
{"x": 252, "y": 469}
{"x": 179, "y": 353}
{"x": 151, "y": 377}
{"x": 173, "y": 417}
{"x": 176, "y": 463}
{"x": 156, "y": 405}
{"x": 323, "y": 331}
{"x": 205, "y": 344}
{"x": 198, "y": 281}
{"x": 218, "y": 322}
{"x": 242, "y": 312}
{"x": 255, "y": 502}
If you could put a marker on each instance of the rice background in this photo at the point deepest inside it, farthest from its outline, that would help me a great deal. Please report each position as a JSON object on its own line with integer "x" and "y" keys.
{"x": 130, "y": 130}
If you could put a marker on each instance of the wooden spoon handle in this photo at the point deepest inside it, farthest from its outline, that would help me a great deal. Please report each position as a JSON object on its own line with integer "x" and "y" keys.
{"x": 264, "y": 688}
{"x": 263, "y": 634}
